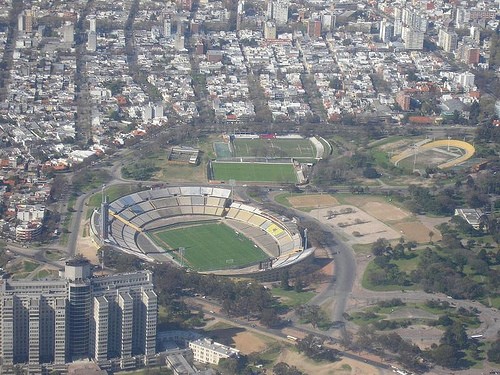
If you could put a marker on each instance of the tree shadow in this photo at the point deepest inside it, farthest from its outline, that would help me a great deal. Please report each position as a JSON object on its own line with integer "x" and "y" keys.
{"x": 225, "y": 335}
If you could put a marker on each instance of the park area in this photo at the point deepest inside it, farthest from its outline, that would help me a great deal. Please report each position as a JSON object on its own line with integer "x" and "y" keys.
{"x": 209, "y": 246}
{"x": 297, "y": 148}
{"x": 254, "y": 172}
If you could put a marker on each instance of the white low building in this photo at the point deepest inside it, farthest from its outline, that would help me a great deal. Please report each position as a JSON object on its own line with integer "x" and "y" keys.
{"x": 207, "y": 351}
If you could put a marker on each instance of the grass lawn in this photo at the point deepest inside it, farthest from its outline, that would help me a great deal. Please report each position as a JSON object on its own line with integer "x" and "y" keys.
{"x": 283, "y": 173}
{"x": 292, "y": 298}
{"x": 43, "y": 274}
{"x": 210, "y": 246}
{"x": 294, "y": 148}
{"x": 407, "y": 264}
{"x": 30, "y": 266}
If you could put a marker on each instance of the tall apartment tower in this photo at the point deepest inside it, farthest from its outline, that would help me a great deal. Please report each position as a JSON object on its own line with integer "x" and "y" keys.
{"x": 33, "y": 322}
{"x": 93, "y": 24}
{"x": 386, "y": 31}
{"x": 25, "y": 21}
{"x": 111, "y": 319}
{"x": 91, "y": 41}
{"x": 68, "y": 33}
{"x": 167, "y": 28}
{"x": 447, "y": 40}
{"x": 280, "y": 12}
{"x": 240, "y": 13}
{"x": 270, "y": 30}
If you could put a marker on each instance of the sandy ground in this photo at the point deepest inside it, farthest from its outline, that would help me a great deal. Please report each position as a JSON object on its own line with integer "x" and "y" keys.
{"x": 343, "y": 367}
{"x": 86, "y": 246}
{"x": 369, "y": 227}
{"x": 315, "y": 200}
{"x": 248, "y": 342}
{"x": 416, "y": 231}
{"x": 421, "y": 335}
{"x": 385, "y": 211}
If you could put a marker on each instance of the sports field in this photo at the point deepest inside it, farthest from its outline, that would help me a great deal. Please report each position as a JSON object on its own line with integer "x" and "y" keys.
{"x": 254, "y": 172}
{"x": 210, "y": 246}
{"x": 274, "y": 148}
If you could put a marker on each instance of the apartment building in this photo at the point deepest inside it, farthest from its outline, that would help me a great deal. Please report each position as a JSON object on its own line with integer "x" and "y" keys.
{"x": 110, "y": 319}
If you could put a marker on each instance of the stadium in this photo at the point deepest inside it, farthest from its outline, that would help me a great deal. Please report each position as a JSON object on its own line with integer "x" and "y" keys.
{"x": 442, "y": 154}
{"x": 202, "y": 229}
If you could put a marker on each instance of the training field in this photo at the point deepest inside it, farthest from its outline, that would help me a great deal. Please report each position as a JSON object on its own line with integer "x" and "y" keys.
{"x": 254, "y": 172}
{"x": 274, "y": 148}
{"x": 210, "y": 246}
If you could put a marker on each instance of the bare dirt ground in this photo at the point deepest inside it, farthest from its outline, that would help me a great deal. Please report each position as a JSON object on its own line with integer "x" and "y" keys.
{"x": 421, "y": 335}
{"x": 385, "y": 211}
{"x": 416, "y": 231}
{"x": 343, "y": 367}
{"x": 86, "y": 246}
{"x": 376, "y": 206}
{"x": 368, "y": 226}
{"x": 315, "y": 200}
{"x": 247, "y": 342}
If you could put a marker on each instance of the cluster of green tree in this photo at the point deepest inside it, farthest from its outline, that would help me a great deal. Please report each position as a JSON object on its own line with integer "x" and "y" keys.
{"x": 116, "y": 86}
{"x": 314, "y": 315}
{"x": 394, "y": 302}
{"x": 117, "y": 260}
{"x": 283, "y": 368}
{"x": 237, "y": 298}
{"x": 494, "y": 352}
{"x": 384, "y": 324}
{"x": 86, "y": 179}
{"x": 488, "y": 132}
{"x": 313, "y": 347}
{"x": 388, "y": 273}
{"x": 142, "y": 170}
{"x": 344, "y": 169}
{"x": 445, "y": 274}
{"x": 440, "y": 269}
{"x": 406, "y": 353}
{"x": 450, "y": 351}
{"x": 423, "y": 200}
{"x": 495, "y": 50}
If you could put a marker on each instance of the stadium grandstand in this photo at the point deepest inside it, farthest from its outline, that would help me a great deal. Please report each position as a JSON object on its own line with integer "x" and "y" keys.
{"x": 127, "y": 221}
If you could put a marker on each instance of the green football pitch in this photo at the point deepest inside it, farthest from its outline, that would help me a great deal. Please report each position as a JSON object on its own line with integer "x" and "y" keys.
{"x": 254, "y": 172}
{"x": 274, "y": 148}
{"x": 210, "y": 246}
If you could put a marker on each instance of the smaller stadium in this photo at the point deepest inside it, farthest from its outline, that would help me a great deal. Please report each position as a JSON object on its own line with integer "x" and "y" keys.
{"x": 202, "y": 229}
{"x": 266, "y": 158}
{"x": 443, "y": 154}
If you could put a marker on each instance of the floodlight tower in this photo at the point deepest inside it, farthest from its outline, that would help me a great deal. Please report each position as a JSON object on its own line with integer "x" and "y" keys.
{"x": 104, "y": 215}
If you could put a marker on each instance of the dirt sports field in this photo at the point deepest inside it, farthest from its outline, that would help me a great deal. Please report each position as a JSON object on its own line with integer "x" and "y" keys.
{"x": 416, "y": 231}
{"x": 369, "y": 227}
{"x": 315, "y": 200}
{"x": 376, "y": 206}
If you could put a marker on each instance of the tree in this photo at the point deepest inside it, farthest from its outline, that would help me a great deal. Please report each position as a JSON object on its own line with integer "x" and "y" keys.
{"x": 455, "y": 336}
{"x": 431, "y": 234}
{"x": 446, "y": 355}
{"x": 270, "y": 318}
{"x": 283, "y": 368}
{"x": 285, "y": 280}
{"x": 494, "y": 352}
{"x": 380, "y": 246}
